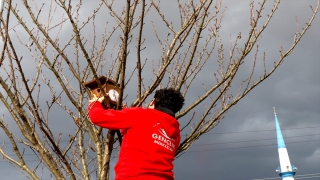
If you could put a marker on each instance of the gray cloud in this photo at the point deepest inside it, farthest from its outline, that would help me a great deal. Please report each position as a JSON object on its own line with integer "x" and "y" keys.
{"x": 293, "y": 89}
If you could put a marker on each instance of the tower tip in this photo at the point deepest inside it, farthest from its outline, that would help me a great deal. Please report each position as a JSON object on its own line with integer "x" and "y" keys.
{"x": 274, "y": 111}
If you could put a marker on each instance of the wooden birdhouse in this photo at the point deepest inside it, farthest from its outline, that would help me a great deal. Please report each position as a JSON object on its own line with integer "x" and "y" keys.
{"x": 109, "y": 87}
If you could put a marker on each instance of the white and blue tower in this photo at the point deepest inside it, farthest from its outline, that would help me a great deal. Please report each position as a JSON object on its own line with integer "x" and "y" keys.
{"x": 286, "y": 170}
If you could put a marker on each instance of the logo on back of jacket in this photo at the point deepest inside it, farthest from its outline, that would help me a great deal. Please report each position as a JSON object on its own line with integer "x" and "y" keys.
{"x": 161, "y": 138}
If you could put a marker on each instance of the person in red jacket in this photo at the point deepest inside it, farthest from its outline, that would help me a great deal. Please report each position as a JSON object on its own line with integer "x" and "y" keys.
{"x": 151, "y": 135}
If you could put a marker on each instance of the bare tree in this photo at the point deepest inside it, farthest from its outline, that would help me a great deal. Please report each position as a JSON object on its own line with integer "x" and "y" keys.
{"x": 51, "y": 48}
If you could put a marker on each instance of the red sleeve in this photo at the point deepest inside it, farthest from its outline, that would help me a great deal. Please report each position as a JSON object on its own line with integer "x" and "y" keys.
{"x": 111, "y": 119}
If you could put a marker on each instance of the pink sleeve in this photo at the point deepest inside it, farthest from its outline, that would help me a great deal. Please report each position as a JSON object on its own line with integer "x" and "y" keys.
{"x": 111, "y": 119}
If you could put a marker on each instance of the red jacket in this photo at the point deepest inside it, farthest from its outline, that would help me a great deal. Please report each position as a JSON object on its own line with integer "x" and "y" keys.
{"x": 150, "y": 141}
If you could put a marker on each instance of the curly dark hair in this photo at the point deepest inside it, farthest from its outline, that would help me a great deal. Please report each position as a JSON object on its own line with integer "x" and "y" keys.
{"x": 169, "y": 98}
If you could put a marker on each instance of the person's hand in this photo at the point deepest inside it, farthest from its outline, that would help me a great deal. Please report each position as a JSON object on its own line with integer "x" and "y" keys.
{"x": 124, "y": 105}
{"x": 94, "y": 99}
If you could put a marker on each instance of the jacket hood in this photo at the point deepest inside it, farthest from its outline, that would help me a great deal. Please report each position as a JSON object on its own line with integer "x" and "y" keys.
{"x": 169, "y": 123}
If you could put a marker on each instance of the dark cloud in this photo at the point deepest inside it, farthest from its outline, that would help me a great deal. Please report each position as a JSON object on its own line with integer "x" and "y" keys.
{"x": 243, "y": 145}
{"x": 293, "y": 90}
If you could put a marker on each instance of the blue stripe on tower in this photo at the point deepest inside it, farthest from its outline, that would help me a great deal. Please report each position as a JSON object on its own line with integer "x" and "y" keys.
{"x": 280, "y": 140}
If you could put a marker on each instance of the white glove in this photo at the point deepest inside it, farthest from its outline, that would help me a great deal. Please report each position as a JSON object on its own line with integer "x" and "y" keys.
{"x": 94, "y": 99}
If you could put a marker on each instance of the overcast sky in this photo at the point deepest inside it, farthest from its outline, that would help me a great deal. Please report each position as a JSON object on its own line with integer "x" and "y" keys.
{"x": 243, "y": 145}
